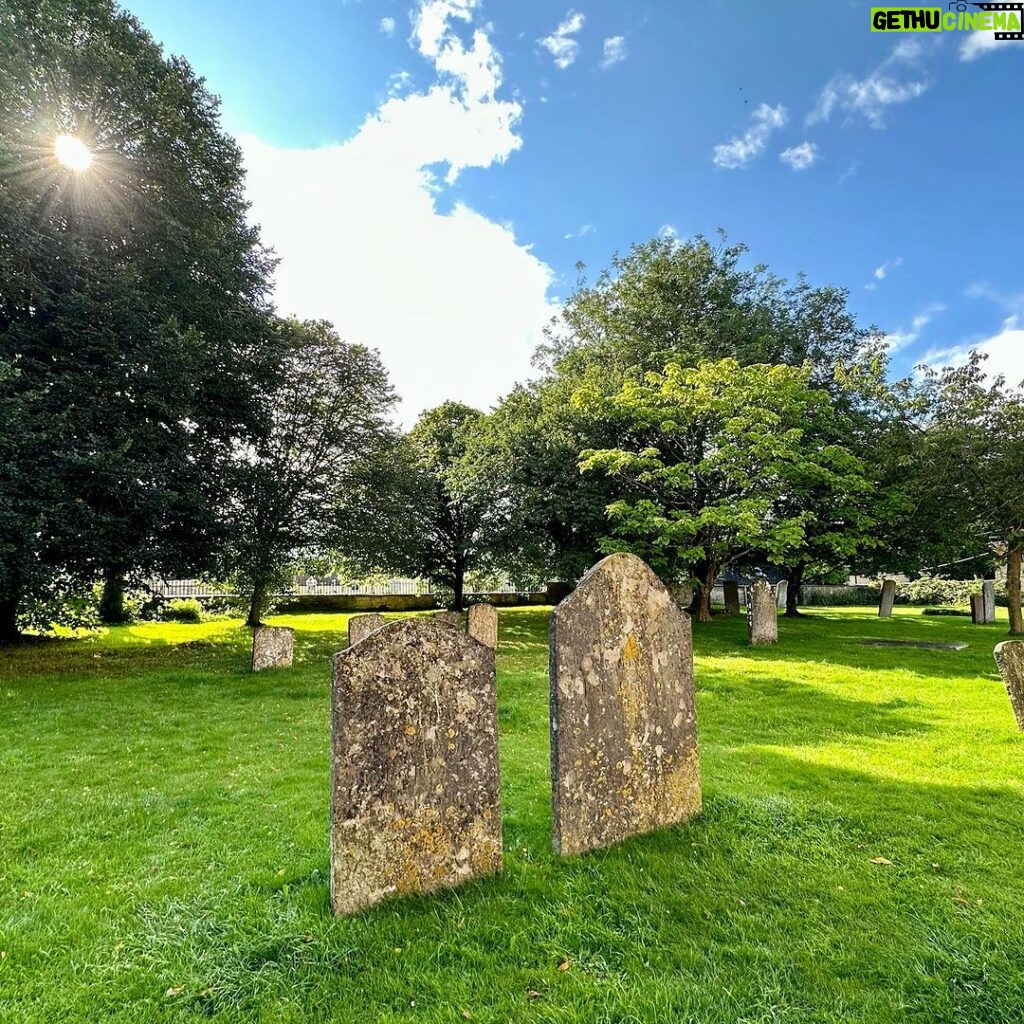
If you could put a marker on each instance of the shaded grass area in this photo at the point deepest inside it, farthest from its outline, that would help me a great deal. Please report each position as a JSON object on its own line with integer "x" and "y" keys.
{"x": 163, "y": 843}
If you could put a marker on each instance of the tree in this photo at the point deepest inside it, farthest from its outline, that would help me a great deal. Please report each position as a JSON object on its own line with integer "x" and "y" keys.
{"x": 973, "y": 446}
{"x": 132, "y": 299}
{"x": 296, "y": 490}
{"x": 665, "y": 301}
{"x": 720, "y": 449}
{"x": 452, "y": 523}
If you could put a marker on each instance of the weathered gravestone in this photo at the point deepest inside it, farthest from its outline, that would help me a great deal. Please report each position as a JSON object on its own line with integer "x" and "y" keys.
{"x": 1010, "y": 660}
{"x": 483, "y": 624}
{"x": 361, "y": 626}
{"x": 978, "y": 609}
{"x": 731, "y": 593}
{"x": 988, "y": 594}
{"x": 415, "y": 796}
{"x": 762, "y": 620}
{"x": 888, "y": 599}
{"x": 272, "y": 647}
{"x": 450, "y": 618}
{"x": 624, "y": 757}
{"x": 781, "y": 593}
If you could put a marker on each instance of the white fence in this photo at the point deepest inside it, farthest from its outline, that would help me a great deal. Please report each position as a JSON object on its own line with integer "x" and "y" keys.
{"x": 308, "y": 587}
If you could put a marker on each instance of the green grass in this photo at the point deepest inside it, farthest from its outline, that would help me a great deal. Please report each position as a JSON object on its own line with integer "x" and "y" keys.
{"x": 163, "y": 843}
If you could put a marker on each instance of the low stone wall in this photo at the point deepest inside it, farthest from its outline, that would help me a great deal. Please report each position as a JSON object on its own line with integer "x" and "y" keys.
{"x": 398, "y": 602}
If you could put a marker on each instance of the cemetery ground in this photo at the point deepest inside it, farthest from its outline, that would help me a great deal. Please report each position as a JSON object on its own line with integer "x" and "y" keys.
{"x": 163, "y": 842}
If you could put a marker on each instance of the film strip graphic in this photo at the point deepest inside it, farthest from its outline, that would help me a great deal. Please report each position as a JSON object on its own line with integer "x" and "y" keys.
{"x": 1018, "y": 7}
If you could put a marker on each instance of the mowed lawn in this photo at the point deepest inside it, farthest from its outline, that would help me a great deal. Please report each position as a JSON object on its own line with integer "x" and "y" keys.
{"x": 163, "y": 843}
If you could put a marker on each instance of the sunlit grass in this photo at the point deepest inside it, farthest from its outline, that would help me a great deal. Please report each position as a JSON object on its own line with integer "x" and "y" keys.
{"x": 163, "y": 843}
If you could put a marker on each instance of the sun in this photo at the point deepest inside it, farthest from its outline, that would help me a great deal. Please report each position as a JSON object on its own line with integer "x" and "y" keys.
{"x": 72, "y": 153}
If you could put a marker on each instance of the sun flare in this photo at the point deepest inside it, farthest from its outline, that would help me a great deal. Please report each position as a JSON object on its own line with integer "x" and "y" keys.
{"x": 72, "y": 153}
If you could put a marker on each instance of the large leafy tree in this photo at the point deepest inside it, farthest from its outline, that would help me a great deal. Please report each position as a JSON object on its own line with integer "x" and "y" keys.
{"x": 298, "y": 490}
{"x": 131, "y": 301}
{"x": 664, "y": 301}
{"x": 972, "y": 434}
{"x": 719, "y": 451}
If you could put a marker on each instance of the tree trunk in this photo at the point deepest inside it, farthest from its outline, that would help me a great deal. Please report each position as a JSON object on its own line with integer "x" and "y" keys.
{"x": 112, "y": 610}
{"x": 796, "y": 581}
{"x": 256, "y": 603}
{"x": 459, "y": 590}
{"x": 704, "y": 588}
{"x": 1013, "y": 562}
{"x": 9, "y": 632}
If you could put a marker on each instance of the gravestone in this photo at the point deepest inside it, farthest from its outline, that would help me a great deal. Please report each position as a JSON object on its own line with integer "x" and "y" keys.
{"x": 415, "y": 796}
{"x": 483, "y": 624}
{"x": 762, "y": 620}
{"x": 978, "y": 609}
{"x": 624, "y": 756}
{"x": 781, "y": 593}
{"x": 450, "y": 618}
{"x": 1010, "y": 661}
{"x": 361, "y": 626}
{"x": 988, "y": 593}
{"x": 731, "y": 592}
{"x": 888, "y": 599}
{"x": 682, "y": 594}
{"x": 272, "y": 647}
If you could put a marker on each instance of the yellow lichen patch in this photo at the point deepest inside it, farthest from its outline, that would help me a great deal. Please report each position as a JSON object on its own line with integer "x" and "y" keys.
{"x": 632, "y": 649}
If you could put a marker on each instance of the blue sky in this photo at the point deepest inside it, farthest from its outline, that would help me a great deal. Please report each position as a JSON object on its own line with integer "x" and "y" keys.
{"x": 430, "y": 172}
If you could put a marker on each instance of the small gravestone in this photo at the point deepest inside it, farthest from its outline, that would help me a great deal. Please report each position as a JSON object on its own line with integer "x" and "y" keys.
{"x": 483, "y": 624}
{"x": 978, "y": 609}
{"x": 361, "y": 626}
{"x": 731, "y": 593}
{"x": 988, "y": 593}
{"x": 781, "y": 594}
{"x": 415, "y": 803}
{"x": 762, "y": 620}
{"x": 888, "y": 599}
{"x": 920, "y": 645}
{"x": 624, "y": 757}
{"x": 272, "y": 647}
{"x": 449, "y": 618}
{"x": 1010, "y": 660}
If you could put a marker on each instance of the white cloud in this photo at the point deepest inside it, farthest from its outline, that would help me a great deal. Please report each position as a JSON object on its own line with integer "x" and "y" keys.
{"x": 882, "y": 272}
{"x": 871, "y": 96}
{"x": 742, "y": 149}
{"x": 453, "y": 301}
{"x": 668, "y": 231}
{"x": 800, "y": 157}
{"x": 560, "y": 44}
{"x": 979, "y": 43}
{"x": 615, "y": 51}
{"x": 581, "y": 232}
{"x": 387, "y": 26}
{"x": 901, "y": 339}
{"x": 1005, "y": 352}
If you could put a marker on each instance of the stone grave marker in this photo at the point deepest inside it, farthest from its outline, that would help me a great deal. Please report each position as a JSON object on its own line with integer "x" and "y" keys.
{"x": 978, "y": 609}
{"x": 415, "y": 795}
{"x": 1010, "y": 660}
{"x": 731, "y": 593}
{"x": 624, "y": 757}
{"x": 762, "y": 617}
{"x": 450, "y": 619}
{"x": 888, "y": 599}
{"x": 483, "y": 624}
{"x": 781, "y": 593}
{"x": 272, "y": 647}
{"x": 988, "y": 593}
{"x": 361, "y": 626}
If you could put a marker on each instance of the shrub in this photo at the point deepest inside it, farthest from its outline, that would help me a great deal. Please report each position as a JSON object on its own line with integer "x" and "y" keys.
{"x": 187, "y": 610}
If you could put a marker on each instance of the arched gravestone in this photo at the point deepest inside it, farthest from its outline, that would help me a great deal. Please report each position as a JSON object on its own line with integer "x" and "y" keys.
{"x": 361, "y": 626}
{"x": 624, "y": 757}
{"x": 887, "y": 600}
{"x": 415, "y": 803}
{"x": 483, "y": 624}
{"x": 1010, "y": 661}
{"x": 272, "y": 647}
{"x": 762, "y": 615}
